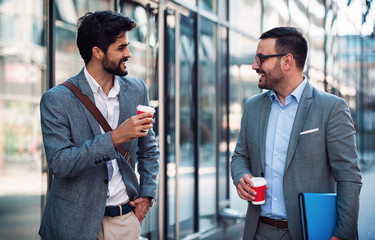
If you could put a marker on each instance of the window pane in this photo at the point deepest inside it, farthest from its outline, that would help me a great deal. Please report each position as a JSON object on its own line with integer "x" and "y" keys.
{"x": 170, "y": 125}
{"x": 209, "y": 5}
{"x": 207, "y": 125}
{"x": 245, "y": 15}
{"x": 22, "y": 73}
{"x": 68, "y": 61}
{"x": 189, "y": 2}
{"x": 223, "y": 133}
{"x": 143, "y": 64}
{"x": 223, "y": 9}
{"x": 143, "y": 46}
{"x": 276, "y": 13}
{"x": 315, "y": 64}
{"x": 187, "y": 161}
{"x": 243, "y": 84}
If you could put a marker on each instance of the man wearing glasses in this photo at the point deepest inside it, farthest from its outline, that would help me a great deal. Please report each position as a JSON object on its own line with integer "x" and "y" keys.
{"x": 299, "y": 139}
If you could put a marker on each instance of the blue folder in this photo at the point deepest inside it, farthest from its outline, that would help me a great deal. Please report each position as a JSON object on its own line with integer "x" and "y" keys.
{"x": 318, "y": 215}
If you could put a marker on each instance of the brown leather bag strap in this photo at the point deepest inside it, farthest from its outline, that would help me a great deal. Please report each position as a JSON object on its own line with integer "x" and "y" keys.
{"x": 96, "y": 113}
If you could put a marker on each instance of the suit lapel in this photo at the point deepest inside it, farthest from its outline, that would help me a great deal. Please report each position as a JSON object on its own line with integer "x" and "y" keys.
{"x": 263, "y": 122}
{"x": 82, "y": 83}
{"x": 299, "y": 121}
{"x": 125, "y": 111}
{"x": 125, "y": 108}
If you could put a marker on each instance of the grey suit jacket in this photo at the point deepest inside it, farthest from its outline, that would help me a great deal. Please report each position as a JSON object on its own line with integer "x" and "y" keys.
{"x": 77, "y": 151}
{"x": 323, "y": 160}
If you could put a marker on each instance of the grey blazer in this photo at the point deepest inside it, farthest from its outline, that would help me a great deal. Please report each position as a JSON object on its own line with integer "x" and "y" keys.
{"x": 77, "y": 151}
{"x": 322, "y": 160}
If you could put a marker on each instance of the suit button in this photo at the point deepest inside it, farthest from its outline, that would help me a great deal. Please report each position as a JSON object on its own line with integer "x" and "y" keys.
{"x": 96, "y": 162}
{"x": 105, "y": 181}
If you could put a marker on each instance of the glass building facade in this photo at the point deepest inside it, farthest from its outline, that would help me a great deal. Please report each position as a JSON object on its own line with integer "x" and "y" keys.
{"x": 195, "y": 57}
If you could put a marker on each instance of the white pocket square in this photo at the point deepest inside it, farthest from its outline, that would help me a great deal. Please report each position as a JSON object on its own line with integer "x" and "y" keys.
{"x": 309, "y": 131}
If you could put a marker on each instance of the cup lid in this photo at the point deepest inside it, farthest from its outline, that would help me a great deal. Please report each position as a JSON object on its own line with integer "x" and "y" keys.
{"x": 144, "y": 108}
{"x": 258, "y": 181}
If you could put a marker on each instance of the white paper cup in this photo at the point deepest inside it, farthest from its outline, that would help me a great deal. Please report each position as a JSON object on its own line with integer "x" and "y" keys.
{"x": 260, "y": 188}
{"x": 145, "y": 109}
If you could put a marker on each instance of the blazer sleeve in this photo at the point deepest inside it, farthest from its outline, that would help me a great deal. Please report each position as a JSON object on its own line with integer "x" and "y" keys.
{"x": 343, "y": 159}
{"x": 69, "y": 142}
{"x": 240, "y": 164}
{"x": 148, "y": 157}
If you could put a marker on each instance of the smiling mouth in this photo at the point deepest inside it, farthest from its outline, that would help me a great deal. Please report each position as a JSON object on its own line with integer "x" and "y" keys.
{"x": 260, "y": 73}
{"x": 124, "y": 61}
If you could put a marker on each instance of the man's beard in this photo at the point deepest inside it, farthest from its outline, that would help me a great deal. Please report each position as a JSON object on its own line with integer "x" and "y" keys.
{"x": 113, "y": 68}
{"x": 273, "y": 78}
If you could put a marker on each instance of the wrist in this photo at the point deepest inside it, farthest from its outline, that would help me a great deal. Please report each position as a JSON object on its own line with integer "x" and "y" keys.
{"x": 115, "y": 138}
{"x": 151, "y": 200}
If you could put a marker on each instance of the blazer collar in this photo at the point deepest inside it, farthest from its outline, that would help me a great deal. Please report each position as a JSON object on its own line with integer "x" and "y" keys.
{"x": 299, "y": 121}
{"x": 124, "y": 98}
{"x": 81, "y": 82}
{"x": 264, "y": 106}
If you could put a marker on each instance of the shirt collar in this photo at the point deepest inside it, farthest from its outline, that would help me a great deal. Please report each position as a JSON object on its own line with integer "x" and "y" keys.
{"x": 297, "y": 93}
{"x": 95, "y": 87}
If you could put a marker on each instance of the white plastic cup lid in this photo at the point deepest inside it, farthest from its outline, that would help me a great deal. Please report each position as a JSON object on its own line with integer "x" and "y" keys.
{"x": 258, "y": 181}
{"x": 143, "y": 108}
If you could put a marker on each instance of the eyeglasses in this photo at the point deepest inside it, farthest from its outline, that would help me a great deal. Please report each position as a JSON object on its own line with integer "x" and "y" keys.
{"x": 260, "y": 58}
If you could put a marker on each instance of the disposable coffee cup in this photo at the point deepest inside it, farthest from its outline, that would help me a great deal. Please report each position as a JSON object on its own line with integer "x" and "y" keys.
{"x": 260, "y": 188}
{"x": 145, "y": 109}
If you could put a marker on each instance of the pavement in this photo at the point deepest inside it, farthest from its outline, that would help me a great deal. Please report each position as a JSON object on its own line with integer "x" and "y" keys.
{"x": 366, "y": 229}
{"x": 20, "y": 214}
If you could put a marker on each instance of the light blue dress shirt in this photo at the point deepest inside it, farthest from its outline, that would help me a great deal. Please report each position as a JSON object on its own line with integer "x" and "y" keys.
{"x": 280, "y": 124}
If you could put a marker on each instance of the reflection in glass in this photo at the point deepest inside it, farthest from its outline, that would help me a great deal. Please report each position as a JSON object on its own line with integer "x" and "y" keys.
{"x": 189, "y": 2}
{"x": 187, "y": 163}
{"x": 223, "y": 10}
{"x": 170, "y": 125}
{"x": 207, "y": 125}
{"x": 209, "y": 5}
{"x": 143, "y": 64}
{"x": 298, "y": 18}
{"x": 315, "y": 64}
{"x": 246, "y": 15}
{"x": 223, "y": 133}
{"x": 22, "y": 73}
{"x": 316, "y": 60}
{"x": 276, "y": 13}
{"x": 143, "y": 46}
{"x": 68, "y": 61}
{"x": 243, "y": 84}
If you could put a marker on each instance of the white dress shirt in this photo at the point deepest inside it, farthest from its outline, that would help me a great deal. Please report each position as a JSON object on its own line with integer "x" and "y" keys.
{"x": 109, "y": 106}
{"x": 279, "y": 128}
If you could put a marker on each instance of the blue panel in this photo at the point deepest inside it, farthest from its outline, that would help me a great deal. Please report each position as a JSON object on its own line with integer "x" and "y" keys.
{"x": 318, "y": 215}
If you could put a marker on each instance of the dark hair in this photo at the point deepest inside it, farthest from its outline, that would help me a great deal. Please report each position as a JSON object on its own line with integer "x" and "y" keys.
{"x": 100, "y": 29}
{"x": 289, "y": 40}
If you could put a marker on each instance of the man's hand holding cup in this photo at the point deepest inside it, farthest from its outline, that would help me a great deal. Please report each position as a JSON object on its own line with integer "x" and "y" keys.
{"x": 141, "y": 109}
{"x": 252, "y": 189}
